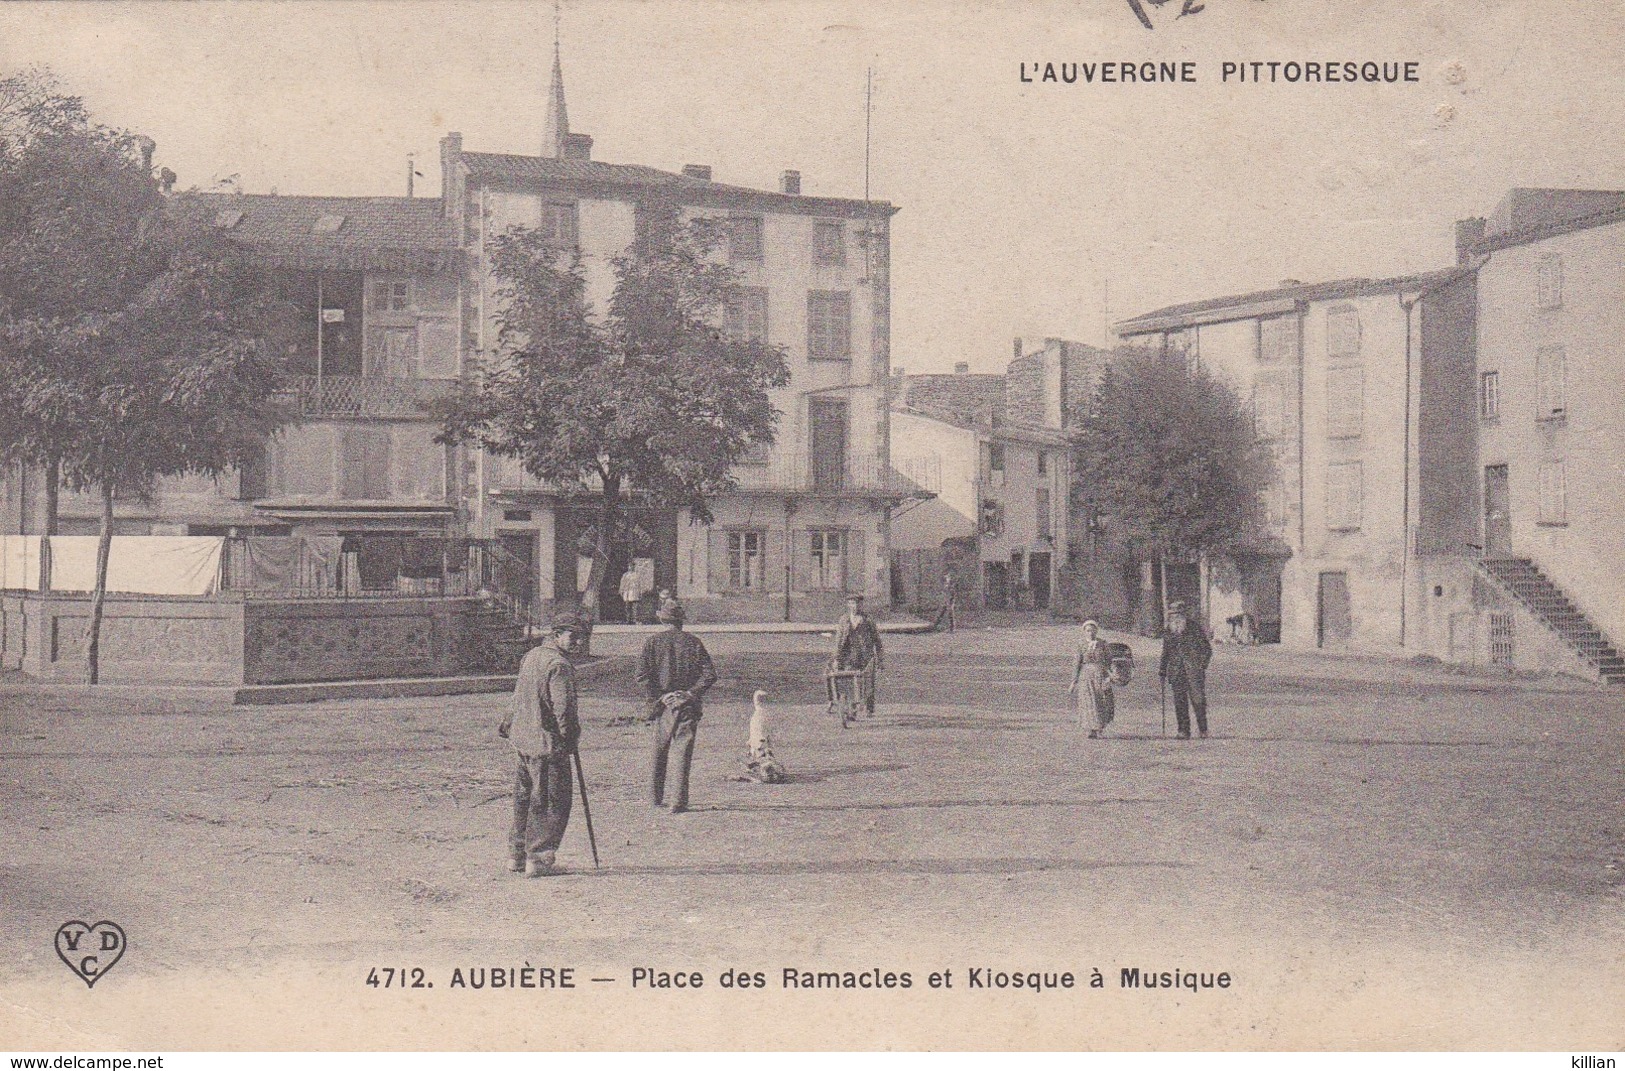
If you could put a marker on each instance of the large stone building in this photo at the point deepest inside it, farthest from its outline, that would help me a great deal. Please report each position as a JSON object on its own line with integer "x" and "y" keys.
{"x": 1363, "y": 389}
{"x": 1551, "y": 429}
{"x": 809, "y": 521}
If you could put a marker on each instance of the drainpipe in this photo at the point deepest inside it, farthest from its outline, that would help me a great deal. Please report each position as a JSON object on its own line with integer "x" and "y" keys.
{"x": 1405, "y": 482}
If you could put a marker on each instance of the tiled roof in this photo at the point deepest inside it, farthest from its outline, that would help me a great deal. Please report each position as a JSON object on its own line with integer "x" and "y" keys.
{"x": 1169, "y": 316}
{"x": 967, "y": 396}
{"x": 489, "y": 166}
{"x": 271, "y": 220}
{"x": 1537, "y": 231}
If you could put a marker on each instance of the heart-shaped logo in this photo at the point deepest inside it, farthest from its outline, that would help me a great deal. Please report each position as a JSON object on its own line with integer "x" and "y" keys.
{"x": 90, "y": 949}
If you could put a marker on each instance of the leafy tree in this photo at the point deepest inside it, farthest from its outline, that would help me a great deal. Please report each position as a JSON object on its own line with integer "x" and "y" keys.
{"x": 652, "y": 399}
{"x": 134, "y": 340}
{"x": 1169, "y": 456}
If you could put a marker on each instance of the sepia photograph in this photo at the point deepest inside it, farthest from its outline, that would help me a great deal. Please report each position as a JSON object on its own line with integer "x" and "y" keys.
{"x": 812, "y": 526}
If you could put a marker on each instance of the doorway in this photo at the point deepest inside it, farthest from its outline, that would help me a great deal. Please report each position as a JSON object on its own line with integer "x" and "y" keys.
{"x": 826, "y": 442}
{"x": 1334, "y": 619}
{"x": 1038, "y": 574}
{"x": 1497, "y": 513}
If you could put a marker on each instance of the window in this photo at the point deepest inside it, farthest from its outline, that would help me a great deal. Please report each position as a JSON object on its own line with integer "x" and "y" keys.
{"x": 1345, "y": 403}
{"x": 829, "y": 241}
{"x": 745, "y": 238}
{"x": 756, "y": 454}
{"x": 1489, "y": 395}
{"x": 559, "y": 224}
{"x": 1043, "y": 512}
{"x": 1550, "y": 401}
{"x": 391, "y": 295}
{"x": 1344, "y": 491}
{"x": 1275, "y": 505}
{"x": 746, "y": 314}
{"x": 1549, "y": 282}
{"x": 745, "y": 560}
{"x": 1269, "y": 411}
{"x": 1343, "y": 333}
{"x": 829, "y": 325}
{"x": 1043, "y": 463}
{"x": 828, "y": 551}
{"x": 327, "y": 224}
{"x": 1554, "y": 493}
{"x": 1278, "y": 339}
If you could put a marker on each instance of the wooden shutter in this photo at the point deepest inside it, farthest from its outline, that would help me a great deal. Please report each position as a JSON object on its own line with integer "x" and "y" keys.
{"x": 773, "y": 559}
{"x": 717, "y": 544}
{"x": 801, "y": 568}
{"x": 857, "y": 564}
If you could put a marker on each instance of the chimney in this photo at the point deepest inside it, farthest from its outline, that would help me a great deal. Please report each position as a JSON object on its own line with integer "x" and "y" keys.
{"x": 1015, "y": 347}
{"x": 451, "y": 158}
{"x": 698, "y": 171}
{"x": 790, "y": 182}
{"x": 961, "y": 368}
{"x": 578, "y": 146}
{"x": 1469, "y": 232}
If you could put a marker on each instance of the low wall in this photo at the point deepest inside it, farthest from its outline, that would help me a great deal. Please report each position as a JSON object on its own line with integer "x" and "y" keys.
{"x": 149, "y": 639}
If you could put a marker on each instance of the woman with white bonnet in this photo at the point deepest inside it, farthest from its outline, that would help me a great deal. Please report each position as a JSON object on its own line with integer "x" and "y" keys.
{"x": 1093, "y": 666}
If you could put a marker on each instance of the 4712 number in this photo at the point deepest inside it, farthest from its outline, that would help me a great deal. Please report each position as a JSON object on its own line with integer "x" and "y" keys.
{"x": 398, "y": 978}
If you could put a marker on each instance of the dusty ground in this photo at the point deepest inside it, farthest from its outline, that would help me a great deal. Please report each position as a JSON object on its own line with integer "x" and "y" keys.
{"x": 1381, "y": 856}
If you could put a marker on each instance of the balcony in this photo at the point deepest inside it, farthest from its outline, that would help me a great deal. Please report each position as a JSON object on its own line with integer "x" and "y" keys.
{"x": 377, "y": 397}
{"x": 856, "y": 476}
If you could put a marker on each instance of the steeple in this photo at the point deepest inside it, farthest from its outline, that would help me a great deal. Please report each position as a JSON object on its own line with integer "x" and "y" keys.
{"x": 556, "y": 124}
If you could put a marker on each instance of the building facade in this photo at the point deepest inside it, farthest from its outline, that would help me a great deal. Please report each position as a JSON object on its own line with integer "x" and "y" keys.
{"x": 1362, "y": 389}
{"x": 809, "y": 521}
{"x": 1551, "y": 430}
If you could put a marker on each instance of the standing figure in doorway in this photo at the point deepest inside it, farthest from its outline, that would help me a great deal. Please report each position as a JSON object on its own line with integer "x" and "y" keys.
{"x": 1186, "y": 652}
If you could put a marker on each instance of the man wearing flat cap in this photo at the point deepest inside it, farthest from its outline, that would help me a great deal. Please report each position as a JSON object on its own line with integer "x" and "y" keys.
{"x": 544, "y": 730}
{"x": 1186, "y": 651}
{"x": 675, "y": 671}
{"x": 857, "y": 647}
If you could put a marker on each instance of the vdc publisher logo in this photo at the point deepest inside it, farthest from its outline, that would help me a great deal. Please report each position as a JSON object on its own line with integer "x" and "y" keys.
{"x": 90, "y": 948}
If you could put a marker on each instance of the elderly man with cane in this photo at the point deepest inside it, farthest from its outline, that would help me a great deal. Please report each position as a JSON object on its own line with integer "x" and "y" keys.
{"x": 675, "y": 671}
{"x": 1186, "y": 652}
{"x": 543, "y": 727}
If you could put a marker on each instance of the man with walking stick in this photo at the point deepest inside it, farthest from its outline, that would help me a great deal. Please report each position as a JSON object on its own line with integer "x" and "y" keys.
{"x": 543, "y": 727}
{"x": 1186, "y": 651}
{"x": 675, "y": 670}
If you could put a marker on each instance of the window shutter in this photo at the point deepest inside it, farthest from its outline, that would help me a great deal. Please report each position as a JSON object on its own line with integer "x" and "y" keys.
{"x": 717, "y": 544}
{"x": 773, "y": 559}
{"x": 857, "y": 574}
{"x": 801, "y": 564}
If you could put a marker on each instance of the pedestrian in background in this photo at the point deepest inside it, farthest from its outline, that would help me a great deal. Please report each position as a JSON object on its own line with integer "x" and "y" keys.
{"x": 675, "y": 671}
{"x": 857, "y": 647}
{"x": 543, "y": 727}
{"x": 1092, "y": 667}
{"x": 1186, "y": 652}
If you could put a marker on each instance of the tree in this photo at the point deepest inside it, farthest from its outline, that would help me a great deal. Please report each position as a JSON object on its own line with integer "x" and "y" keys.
{"x": 133, "y": 338}
{"x": 653, "y": 399}
{"x": 1168, "y": 455}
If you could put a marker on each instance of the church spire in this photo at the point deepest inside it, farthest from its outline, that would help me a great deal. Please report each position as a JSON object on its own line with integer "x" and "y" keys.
{"x": 556, "y": 124}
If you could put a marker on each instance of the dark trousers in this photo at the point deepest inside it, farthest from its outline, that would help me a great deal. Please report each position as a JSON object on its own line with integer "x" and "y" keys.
{"x": 541, "y": 804}
{"x": 1190, "y": 692}
{"x": 673, "y": 747}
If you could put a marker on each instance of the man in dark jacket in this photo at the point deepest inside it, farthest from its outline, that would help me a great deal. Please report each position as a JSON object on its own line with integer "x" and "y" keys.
{"x": 857, "y": 646}
{"x": 675, "y": 670}
{"x": 1186, "y": 652}
{"x": 543, "y": 728}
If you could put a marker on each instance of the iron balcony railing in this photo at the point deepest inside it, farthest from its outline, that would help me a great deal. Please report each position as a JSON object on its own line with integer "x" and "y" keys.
{"x": 367, "y": 396}
{"x": 789, "y": 475}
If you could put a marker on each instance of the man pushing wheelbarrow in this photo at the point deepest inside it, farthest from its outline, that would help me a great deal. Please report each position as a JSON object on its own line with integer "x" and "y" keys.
{"x": 854, "y": 663}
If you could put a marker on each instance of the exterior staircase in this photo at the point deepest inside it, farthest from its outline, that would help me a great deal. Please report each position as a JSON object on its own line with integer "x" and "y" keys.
{"x": 1546, "y": 601}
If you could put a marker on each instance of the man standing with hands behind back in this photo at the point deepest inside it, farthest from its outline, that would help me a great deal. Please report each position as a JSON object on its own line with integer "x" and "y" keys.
{"x": 675, "y": 671}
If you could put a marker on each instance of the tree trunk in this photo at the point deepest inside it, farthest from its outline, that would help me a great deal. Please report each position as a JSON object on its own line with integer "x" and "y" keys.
{"x": 609, "y": 509}
{"x": 104, "y": 546}
{"x": 1162, "y": 592}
